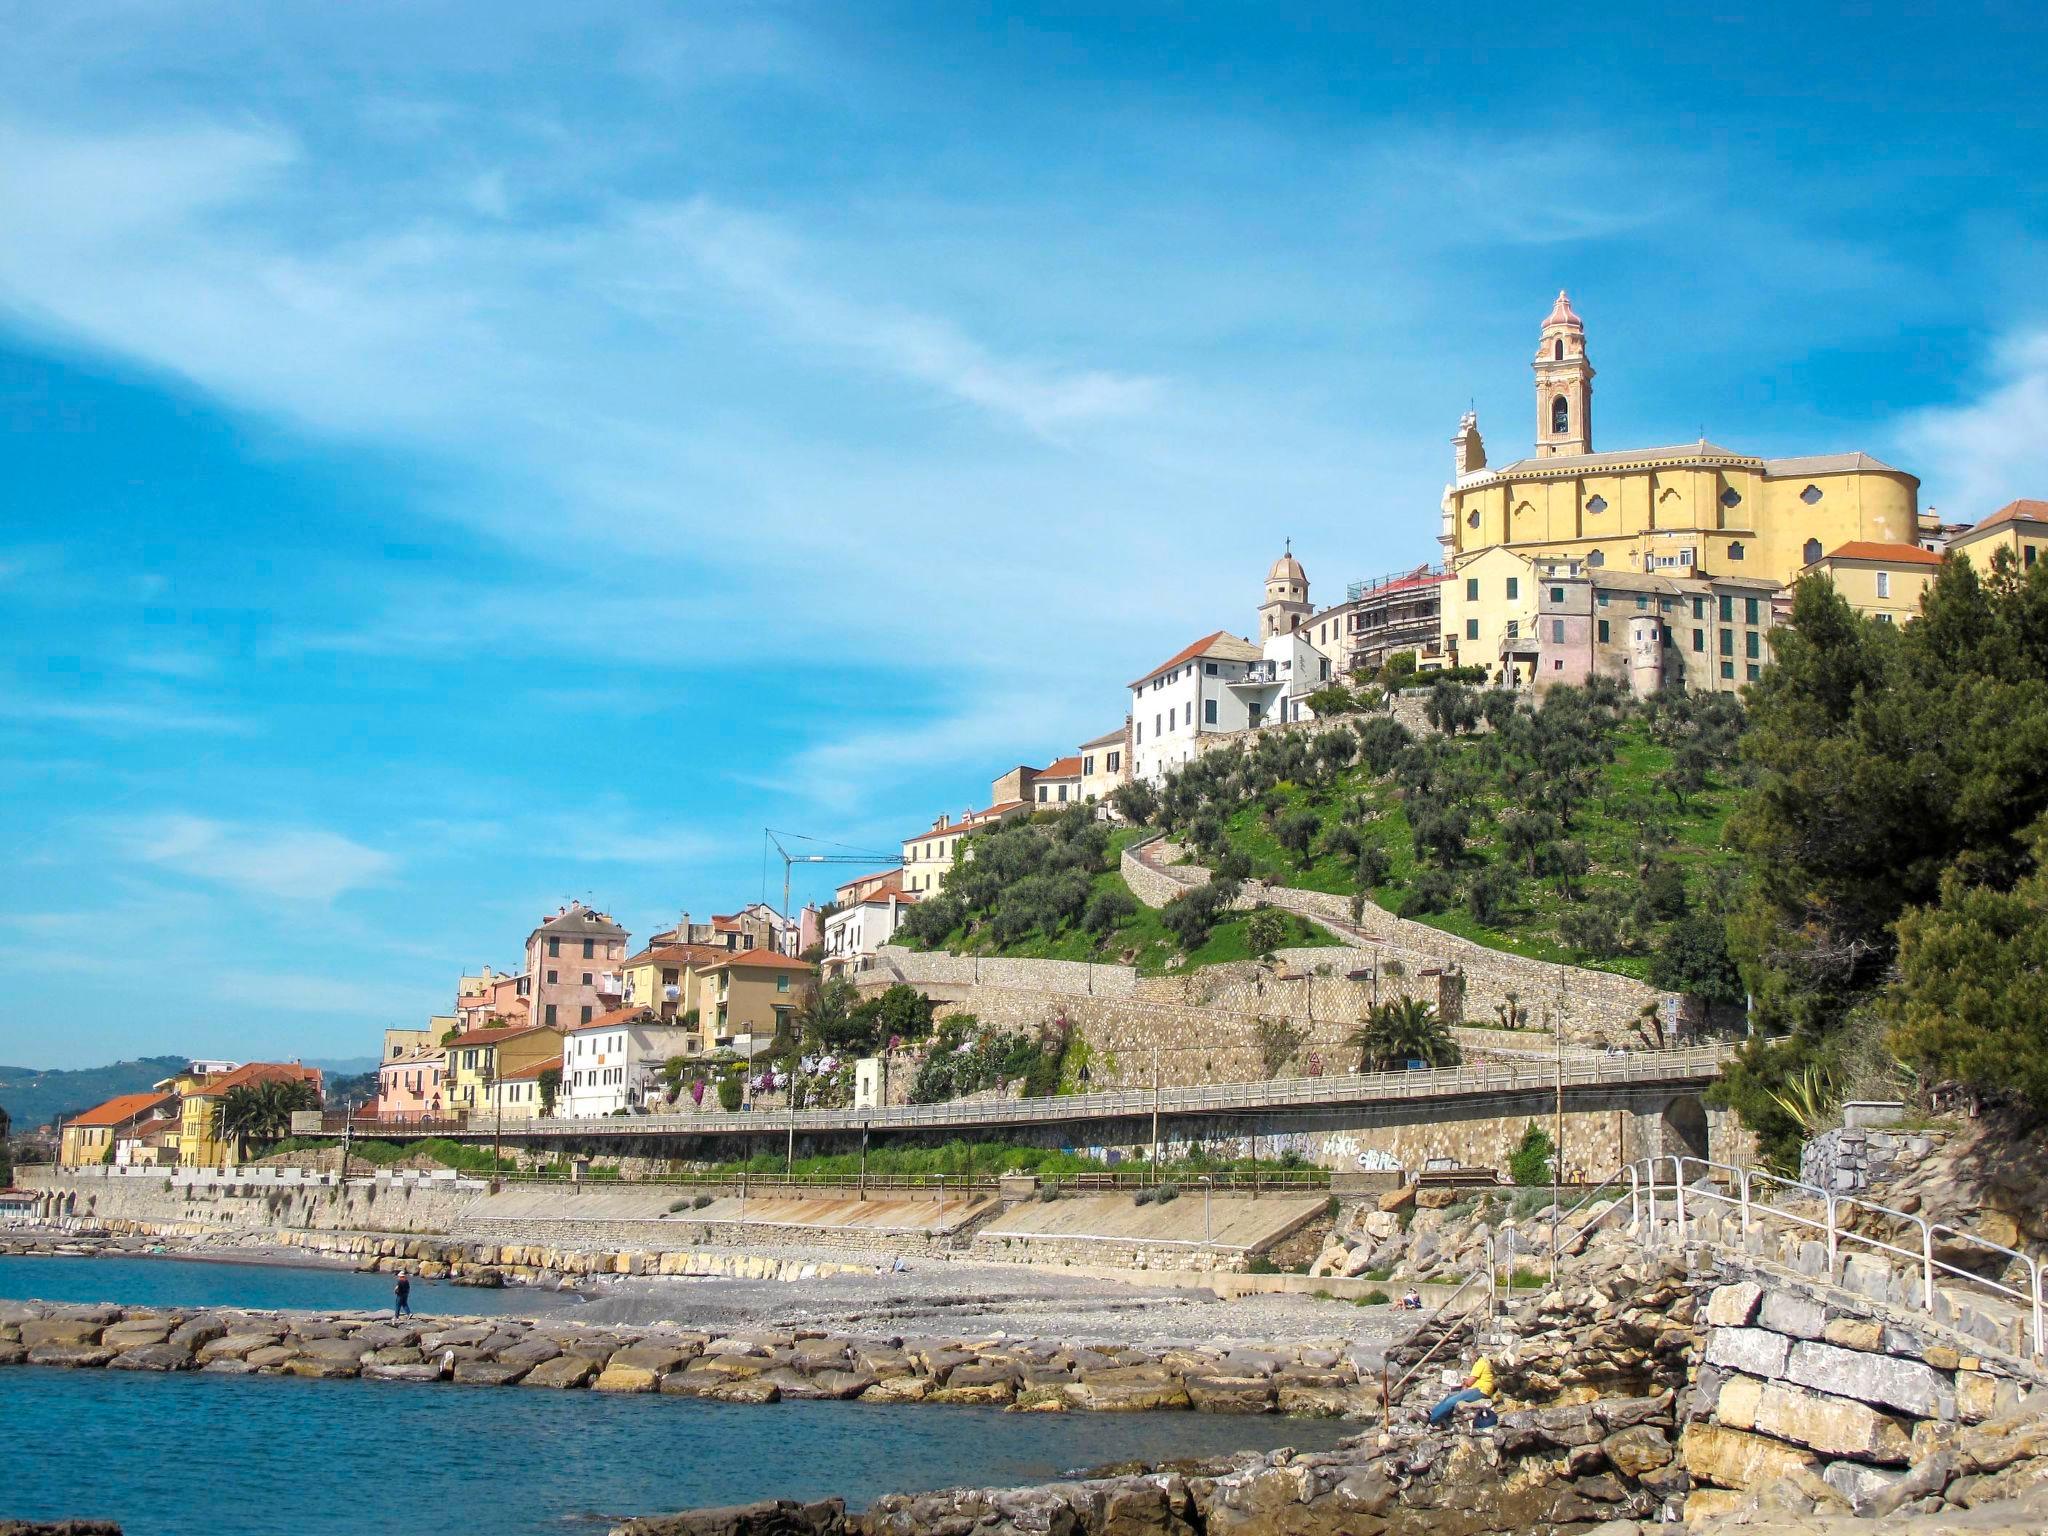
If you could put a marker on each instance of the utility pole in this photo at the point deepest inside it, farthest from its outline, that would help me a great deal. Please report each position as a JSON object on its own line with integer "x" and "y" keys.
{"x": 498, "y": 1126}
{"x": 1557, "y": 1153}
{"x": 348, "y": 1120}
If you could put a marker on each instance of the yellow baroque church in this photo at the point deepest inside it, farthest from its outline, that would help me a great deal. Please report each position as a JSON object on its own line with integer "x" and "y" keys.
{"x": 1699, "y": 520}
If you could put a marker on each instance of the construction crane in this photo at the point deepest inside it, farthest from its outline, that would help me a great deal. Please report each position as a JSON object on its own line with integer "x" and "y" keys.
{"x": 842, "y": 855}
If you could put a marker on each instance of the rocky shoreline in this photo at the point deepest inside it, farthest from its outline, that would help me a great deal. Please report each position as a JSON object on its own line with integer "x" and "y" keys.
{"x": 1024, "y": 1375}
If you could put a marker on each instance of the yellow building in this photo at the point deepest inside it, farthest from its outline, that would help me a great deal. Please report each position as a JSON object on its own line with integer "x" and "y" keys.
{"x": 480, "y": 1057}
{"x": 1885, "y": 581}
{"x": 2018, "y": 526}
{"x": 200, "y": 1142}
{"x": 91, "y": 1137}
{"x": 669, "y": 978}
{"x": 516, "y": 1095}
{"x": 1684, "y": 511}
{"x": 750, "y": 998}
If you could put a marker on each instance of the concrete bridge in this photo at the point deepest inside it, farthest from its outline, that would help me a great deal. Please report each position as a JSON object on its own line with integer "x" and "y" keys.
{"x": 1615, "y": 1110}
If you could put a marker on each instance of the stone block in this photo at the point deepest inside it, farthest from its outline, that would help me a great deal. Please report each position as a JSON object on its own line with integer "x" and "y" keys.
{"x": 1905, "y": 1385}
{"x": 164, "y": 1356}
{"x": 1736, "y": 1405}
{"x": 1799, "y": 1316}
{"x": 564, "y": 1371}
{"x": 1636, "y": 1451}
{"x": 1734, "y": 1458}
{"x": 1753, "y": 1351}
{"x": 1857, "y": 1483}
{"x": 72, "y": 1355}
{"x": 1704, "y": 1504}
{"x": 1732, "y": 1306}
{"x": 59, "y": 1330}
{"x": 1854, "y": 1333}
{"x": 899, "y": 1389}
{"x": 1833, "y": 1426}
{"x": 617, "y": 1377}
{"x": 1229, "y": 1394}
{"x": 1867, "y": 1276}
{"x": 488, "y": 1373}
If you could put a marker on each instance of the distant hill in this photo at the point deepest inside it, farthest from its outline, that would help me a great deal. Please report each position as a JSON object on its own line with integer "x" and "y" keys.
{"x": 34, "y": 1098}
{"x": 342, "y": 1066}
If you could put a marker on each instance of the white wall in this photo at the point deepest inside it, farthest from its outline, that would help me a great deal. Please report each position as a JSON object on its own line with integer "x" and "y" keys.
{"x": 1168, "y": 712}
{"x": 611, "y": 1061}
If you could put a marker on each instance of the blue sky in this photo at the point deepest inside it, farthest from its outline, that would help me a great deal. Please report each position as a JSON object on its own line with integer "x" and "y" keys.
{"x": 461, "y": 457}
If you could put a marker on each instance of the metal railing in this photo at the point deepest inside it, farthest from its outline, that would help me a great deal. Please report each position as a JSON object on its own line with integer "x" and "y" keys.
{"x": 1747, "y": 1184}
{"x": 1686, "y": 1064}
{"x": 1491, "y": 1279}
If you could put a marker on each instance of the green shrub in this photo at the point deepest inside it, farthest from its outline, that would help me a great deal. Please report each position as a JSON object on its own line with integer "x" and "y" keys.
{"x": 1142, "y": 1196}
{"x": 1529, "y": 1163}
{"x": 1259, "y": 1264}
{"x": 1374, "y": 1298}
{"x": 729, "y": 1094}
{"x": 1167, "y": 1192}
{"x": 701, "y": 1201}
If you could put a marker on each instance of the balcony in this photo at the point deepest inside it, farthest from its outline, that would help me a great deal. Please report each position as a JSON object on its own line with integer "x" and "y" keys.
{"x": 610, "y": 984}
{"x": 1260, "y": 674}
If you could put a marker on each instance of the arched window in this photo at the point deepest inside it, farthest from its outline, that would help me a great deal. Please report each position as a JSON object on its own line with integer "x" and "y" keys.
{"x": 1596, "y": 558}
{"x": 1735, "y": 550}
{"x": 1811, "y": 551}
{"x": 1560, "y": 414}
{"x": 1557, "y": 350}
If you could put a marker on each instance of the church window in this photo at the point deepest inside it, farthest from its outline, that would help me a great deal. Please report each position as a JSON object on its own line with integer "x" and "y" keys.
{"x": 1560, "y": 414}
{"x": 1810, "y": 552}
{"x": 1731, "y": 498}
{"x": 1557, "y": 350}
{"x": 1810, "y": 495}
{"x": 1597, "y": 504}
{"x": 1735, "y": 550}
{"x": 1471, "y": 519}
{"x": 1596, "y": 558}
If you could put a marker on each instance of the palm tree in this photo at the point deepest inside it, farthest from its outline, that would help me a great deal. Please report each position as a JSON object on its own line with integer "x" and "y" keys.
{"x": 258, "y": 1112}
{"x": 1402, "y": 1030}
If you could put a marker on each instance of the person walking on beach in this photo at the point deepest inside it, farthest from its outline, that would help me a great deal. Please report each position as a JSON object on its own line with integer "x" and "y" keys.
{"x": 401, "y": 1297}
{"x": 1475, "y": 1388}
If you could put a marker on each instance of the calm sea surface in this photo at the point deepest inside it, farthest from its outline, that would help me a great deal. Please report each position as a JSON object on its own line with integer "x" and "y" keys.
{"x": 199, "y": 1455}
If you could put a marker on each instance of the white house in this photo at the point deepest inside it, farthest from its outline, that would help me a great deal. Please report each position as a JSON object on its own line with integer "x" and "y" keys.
{"x": 864, "y": 924}
{"x": 614, "y": 1062}
{"x": 1186, "y": 696}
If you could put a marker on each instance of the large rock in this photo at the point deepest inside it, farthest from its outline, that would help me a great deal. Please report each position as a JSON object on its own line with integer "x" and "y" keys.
{"x": 488, "y": 1373}
{"x": 1732, "y": 1306}
{"x": 1126, "y": 1389}
{"x": 165, "y": 1356}
{"x": 59, "y": 1330}
{"x": 626, "y": 1378}
{"x": 1638, "y": 1450}
{"x": 1782, "y": 1312}
{"x": 748, "y": 1389}
{"x": 1833, "y": 1426}
{"x": 1229, "y": 1394}
{"x": 1734, "y": 1458}
{"x": 1906, "y": 1385}
{"x": 562, "y": 1372}
{"x": 899, "y": 1389}
{"x": 234, "y": 1346}
{"x": 76, "y": 1356}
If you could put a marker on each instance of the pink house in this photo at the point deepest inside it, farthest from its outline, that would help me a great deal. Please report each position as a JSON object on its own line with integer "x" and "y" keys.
{"x": 409, "y": 1085}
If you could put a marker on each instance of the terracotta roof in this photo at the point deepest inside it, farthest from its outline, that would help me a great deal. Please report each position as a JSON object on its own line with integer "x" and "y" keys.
{"x": 1670, "y": 453}
{"x": 886, "y": 894}
{"x": 546, "y": 1064}
{"x": 1890, "y": 554}
{"x": 613, "y": 1019}
{"x": 2013, "y": 512}
{"x": 1234, "y": 650}
{"x": 1405, "y": 584}
{"x": 762, "y": 960}
{"x": 1065, "y": 768}
{"x": 1562, "y": 313}
{"x": 496, "y": 1036}
{"x": 258, "y": 1072}
{"x": 973, "y": 821}
{"x": 119, "y": 1111}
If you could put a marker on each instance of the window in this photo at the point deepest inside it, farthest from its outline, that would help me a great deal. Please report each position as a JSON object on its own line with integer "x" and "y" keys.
{"x": 1749, "y": 644}
{"x": 1173, "y": 717}
{"x": 1471, "y": 519}
{"x": 1557, "y": 631}
{"x": 782, "y": 983}
{"x": 1156, "y": 721}
{"x": 554, "y": 948}
{"x": 1210, "y": 668}
{"x": 1597, "y": 505}
{"x": 1557, "y": 350}
{"x": 1666, "y": 604}
{"x": 1809, "y": 552}
{"x": 1728, "y": 670}
{"x": 1642, "y": 602}
{"x": 1699, "y": 607}
{"x": 590, "y": 949}
{"x": 550, "y": 1018}
{"x": 2027, "y": 556}
{"x": 1557, "y": 594}
{"x": 586, "y": 978}
{"x": 1752, "y": 672}
{"x": 1116, "y": 761}
{"x": 1731, "y": 498}
{"x": 586, "y": 1013}
{"x": 1699, "y": 640}
{"x": 1882, "y": 618}
{"x": 1596, "y": 558}
{"x": 1560, "y": 414}
{"x": 1471, "y": 629}
{"x": 1514, "y": 588}
{"x": 553, "y": 977}
{"x": 1603, "y": 632}
{"x": 1041, "y": 794}
{"x": 1735, "y": 550}
{"x": 1471, "y": 589}
{"x": 1884, "y": 583}
{"x": 1208, "y": 711}
{"x": 1749, "y": 610}
{"x": 1141, "y": 734}
{"x": 1727, "y": 609}
{"x": 1727, "y": 642}
{"x": 1514, "y": 628}
{"x": 1810, "y": 495}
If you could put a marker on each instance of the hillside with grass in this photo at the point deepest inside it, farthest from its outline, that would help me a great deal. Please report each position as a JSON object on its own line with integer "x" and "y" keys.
{"x": 1050, "y": 889}
{"x": 1586, "y": 829}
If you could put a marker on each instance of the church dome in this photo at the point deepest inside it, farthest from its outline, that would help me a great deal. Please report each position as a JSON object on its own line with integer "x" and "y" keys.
{"x": 1562, "y": 313}
{"x": 1287, "y": 568}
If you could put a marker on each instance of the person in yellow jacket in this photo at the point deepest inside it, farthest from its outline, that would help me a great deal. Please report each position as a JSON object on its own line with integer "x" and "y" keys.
{"x": 1476, "y": 1387}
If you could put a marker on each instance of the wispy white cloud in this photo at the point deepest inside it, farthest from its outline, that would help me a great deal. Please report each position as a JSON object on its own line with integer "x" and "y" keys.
{"x": 289, "y": 863}
{"x": 1976, "y": 456}
{"x": 123, "y": 717}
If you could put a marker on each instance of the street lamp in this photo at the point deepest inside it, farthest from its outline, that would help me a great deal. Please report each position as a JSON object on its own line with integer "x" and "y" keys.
{"x": 1208, "y": 1188}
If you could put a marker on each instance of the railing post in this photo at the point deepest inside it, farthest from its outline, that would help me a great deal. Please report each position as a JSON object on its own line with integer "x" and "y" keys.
{"x": 1927, "y": 1267}
{"x": 1742, "y": 1180}
{"x": 1831, "y": 1239}
{"x": 1678, "y": 1194}
{"x": 2035, "y": 1268}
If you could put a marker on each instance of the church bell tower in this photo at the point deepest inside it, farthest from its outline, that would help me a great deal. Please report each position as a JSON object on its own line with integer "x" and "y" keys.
{"x": 1564, "y": 384}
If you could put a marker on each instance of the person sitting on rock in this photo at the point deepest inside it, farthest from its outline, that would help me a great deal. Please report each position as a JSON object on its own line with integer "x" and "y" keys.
{"x": 1476, "y": 1387}
{"x": 1411, "y": 1300}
